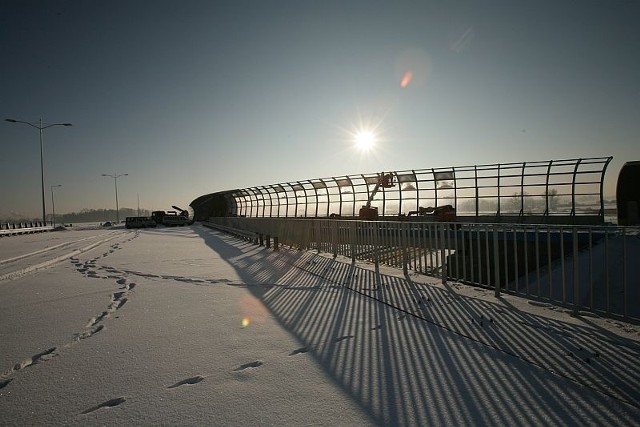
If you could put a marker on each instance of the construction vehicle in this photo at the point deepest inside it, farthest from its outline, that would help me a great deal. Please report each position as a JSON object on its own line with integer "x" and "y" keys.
{"x": 171, "y": 218}
{"x": 446, "y": 213}
{"x": 181, "y": 211}
{"x": 367, "y": 212}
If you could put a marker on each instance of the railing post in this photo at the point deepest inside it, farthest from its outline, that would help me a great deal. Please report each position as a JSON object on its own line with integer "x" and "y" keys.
{"x": 317, "y": 230}
{"x": 496, "y": 261}
{"x": 576, "y": 272}
{"x": 268, "y": 241}
{"x": 404, "y": 245}
{"x": 352, "y": 240}
{"x": 275, "y": 243}
{"x": 334, "y": 238}
{"x": 376, "y": 244}
{"x": 443, "y": 265}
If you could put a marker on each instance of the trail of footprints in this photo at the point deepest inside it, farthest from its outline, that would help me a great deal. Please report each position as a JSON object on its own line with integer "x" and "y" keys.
{"x": 200, "y": 378}
{"x": 118, "y": 300}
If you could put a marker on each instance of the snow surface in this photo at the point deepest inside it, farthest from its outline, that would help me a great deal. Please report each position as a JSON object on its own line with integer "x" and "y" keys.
{"x": 188, "y": 326}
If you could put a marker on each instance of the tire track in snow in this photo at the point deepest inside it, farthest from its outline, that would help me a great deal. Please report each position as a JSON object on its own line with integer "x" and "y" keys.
{"x": 51, "y": 248}
{"x": 33, "y": 268}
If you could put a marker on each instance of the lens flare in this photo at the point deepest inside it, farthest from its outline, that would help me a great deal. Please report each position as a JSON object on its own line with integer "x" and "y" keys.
{"x": 245, "y": 322}
{"x": 406, "y": 79}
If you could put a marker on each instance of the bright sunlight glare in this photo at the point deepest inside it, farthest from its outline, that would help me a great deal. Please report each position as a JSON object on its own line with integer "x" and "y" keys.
{"x": 365, "y": 140}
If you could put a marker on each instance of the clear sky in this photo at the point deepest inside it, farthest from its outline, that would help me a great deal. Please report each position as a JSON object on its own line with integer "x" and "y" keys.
{"x": 192, "y": 97}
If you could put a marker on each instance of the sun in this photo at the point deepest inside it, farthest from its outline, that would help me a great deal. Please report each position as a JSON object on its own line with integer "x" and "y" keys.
{"x": 365, "y": 140}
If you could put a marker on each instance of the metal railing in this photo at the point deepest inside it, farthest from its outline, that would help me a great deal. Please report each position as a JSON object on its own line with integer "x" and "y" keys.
{"x": 591, "y": 268}
{"x": 12, "y": 229}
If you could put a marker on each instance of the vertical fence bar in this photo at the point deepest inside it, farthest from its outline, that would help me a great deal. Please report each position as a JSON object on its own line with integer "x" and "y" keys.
{"x": 591, "y": 268}
{"x": 496, "y": 259}
{"x": 488, "y": 256}
{"x": 405, "y": 248}
{"x": 352, "y": 240}
{"x": 472, "y": 254}
{"x": 464, "y": 253}
{"x": 576, "y": 272}
{"x": 606, "y": 268}
{"x": 449, "y": 247}
{"x": 334, "y": 238}
{"x": 537, "y": 245}
{"x": 505, "y": 248}
{"x": 526, "y": 259}
{"x": 442, "y": 262}
{"x": 516, "y": 267}
{"x": 562, "y": 269}
{"x": 549, "y": 264}
{"x": 432, "y": 246}
{"x": 376, "y": 240}
{"x": 625, "y": 289}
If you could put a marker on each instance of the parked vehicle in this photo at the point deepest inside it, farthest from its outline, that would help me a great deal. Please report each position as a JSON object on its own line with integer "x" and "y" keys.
{"x": 139, "y": 222}
{"x": 171, "y": 218}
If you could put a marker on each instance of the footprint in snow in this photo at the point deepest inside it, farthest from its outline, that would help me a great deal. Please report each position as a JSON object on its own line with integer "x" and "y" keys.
{"x": 35, "y": 359}
{"x": 188, "y": 381}
{"x": 300, "y": 350}
{"x": 248, "y": 365}
{"x": 108, "y": 404}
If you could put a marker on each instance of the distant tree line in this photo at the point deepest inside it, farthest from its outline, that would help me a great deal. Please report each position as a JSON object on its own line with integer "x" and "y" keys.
{"x": 97, "y": 215}
{"x": 85, "y": 215}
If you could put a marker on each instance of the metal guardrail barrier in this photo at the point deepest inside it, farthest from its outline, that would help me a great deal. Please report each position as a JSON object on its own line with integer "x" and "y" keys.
{"x": 591, "y": 268}
{"x": 7, "y": 229}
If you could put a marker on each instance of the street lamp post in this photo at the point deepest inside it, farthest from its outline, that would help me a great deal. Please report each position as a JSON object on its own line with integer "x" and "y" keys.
{"x": 53, "y": 203}
{"x": 40, "y": 127}
{"x": 115, "y": 181}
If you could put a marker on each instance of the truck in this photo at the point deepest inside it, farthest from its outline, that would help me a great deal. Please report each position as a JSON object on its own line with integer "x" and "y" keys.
{"x": 171, "y": 218}
{"x": 139, "y": 222}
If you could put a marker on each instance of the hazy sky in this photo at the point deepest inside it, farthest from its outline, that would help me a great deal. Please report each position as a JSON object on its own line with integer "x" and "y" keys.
{"x": 192, "y": 97}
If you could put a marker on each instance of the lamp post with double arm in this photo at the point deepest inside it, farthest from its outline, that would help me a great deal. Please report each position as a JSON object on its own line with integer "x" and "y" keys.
{"x": 40, "y": 126}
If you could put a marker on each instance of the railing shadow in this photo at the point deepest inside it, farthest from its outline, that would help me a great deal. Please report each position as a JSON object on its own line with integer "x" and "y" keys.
{"x": 416, "y": 354}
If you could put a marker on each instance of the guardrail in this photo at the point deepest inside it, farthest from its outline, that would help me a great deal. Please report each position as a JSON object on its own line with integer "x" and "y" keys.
{"x": 591, "y": 268}
{"x": 7, "y": 229}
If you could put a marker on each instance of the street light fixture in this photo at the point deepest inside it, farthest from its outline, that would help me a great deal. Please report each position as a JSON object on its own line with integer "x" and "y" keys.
{"x": 40, "y": 127}
{"x": 53, "y": 203}
{"x": 115, "y": 180}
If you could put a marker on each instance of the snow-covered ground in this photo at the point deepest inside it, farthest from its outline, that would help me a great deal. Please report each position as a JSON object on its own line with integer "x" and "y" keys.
{"x": 188, "y": 326}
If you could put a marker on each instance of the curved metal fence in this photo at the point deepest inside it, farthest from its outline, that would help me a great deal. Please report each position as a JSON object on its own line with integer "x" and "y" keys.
{"x": 556, "y": 190}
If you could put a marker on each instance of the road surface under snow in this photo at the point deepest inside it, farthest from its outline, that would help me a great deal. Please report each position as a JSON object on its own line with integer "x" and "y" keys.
{"x": 188, "y": 326}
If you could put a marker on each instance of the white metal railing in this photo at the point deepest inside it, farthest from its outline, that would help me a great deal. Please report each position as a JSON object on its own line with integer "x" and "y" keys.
{"x": 592, "y": 268}
{"x": 7, "y": 229}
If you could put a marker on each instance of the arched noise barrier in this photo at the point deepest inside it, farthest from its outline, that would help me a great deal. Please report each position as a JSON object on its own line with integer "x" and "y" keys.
{"x": 568, "y": 190}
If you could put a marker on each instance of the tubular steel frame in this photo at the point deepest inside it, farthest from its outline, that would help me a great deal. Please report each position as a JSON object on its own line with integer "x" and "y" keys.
{"x": 508, "y": 192}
